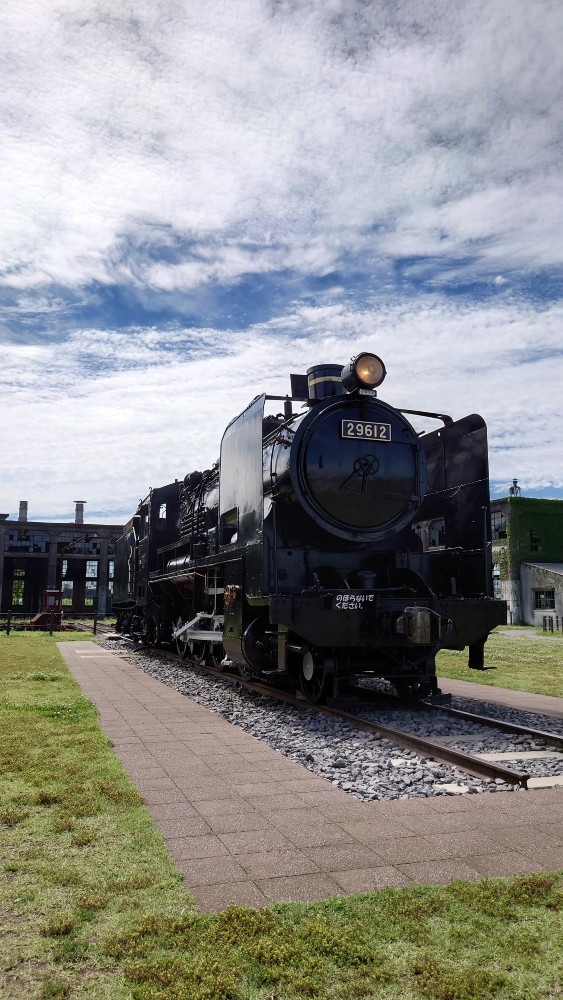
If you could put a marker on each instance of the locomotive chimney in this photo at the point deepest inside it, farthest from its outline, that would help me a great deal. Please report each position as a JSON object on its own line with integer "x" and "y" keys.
{"x": 22, "y": 516}
{"x": 79, "y": 515}
{"x": 323, "y": 381}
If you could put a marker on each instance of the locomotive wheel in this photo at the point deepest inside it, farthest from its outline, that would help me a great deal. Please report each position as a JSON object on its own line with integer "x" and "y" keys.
{"x": 182, "y": 642}
{"x": 216, "y": 655}
{"x": 312, "y": 676}
{"x": 152, "y": 635}
{"x": 198, "y": 651}
{"x": 412, "y": 690}
{"x": 245, "y": 672}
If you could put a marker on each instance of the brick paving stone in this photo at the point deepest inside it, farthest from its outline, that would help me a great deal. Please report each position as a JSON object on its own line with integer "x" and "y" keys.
{"x": 503, "y": 865}
{"x": 299, "y": 784}
{"x": 527, "y": 840}
{"x": 147, "y": 773}
{"x": 395, "y": 809}
{"x": 411, "y": 849}
{"x": 299, "y": 888}
{"x": 551, "y": 797}
{"x": 346, "y": 812}
{"x": 253, "y": 789}
{"x": 462, "y": 844}
{"x": 252, "y": 782}
{"x": 296, "y": 819}
{"x": 211, "y": 871}
{"x": 439, "y": 872}
{"x": 207, "y": 846}
{"x": 237, "y": 822}
{"x": 210, "y": 794}
{"x": 217, "y": 754}
{"x": 342, "y": 857}
{"x": 173, "y": 810}
{"x": 553, "y": 830}
{"x": 184, "y": 826}
{"x": 439, "y": 823}
{"x": 223, "y": 807}
{"x": 550, "y": 859}
{"x": 275, "y": 802}
{"x": 372, "y": 831}
{"x": 274, "y": 864}
{"x": 330, "y": 799}
{"x": 149, "y": 783}
{"x": 252, "y": 841}
{"x": 155, "y": 797}
{"x": 213, "y": 898}
{"x": 369, "y": 879}
{"x": 319, "y": 835}
{"x": 227, "y": 764}
{"x": 164, "y": 739}
{"x": 191, "y": 777}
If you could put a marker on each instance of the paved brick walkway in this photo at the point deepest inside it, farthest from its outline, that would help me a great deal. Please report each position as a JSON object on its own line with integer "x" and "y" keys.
{"x": 542, "y": 703}
{"x": 247, "y": 825}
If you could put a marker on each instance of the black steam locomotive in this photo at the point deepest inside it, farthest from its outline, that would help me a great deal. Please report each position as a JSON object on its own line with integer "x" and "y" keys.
{"x": 325, "y": 543}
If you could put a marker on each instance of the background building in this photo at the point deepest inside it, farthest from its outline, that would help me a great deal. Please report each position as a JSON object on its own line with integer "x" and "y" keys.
{"x": 74, "y": 557}
{"x": 527, "y": 539}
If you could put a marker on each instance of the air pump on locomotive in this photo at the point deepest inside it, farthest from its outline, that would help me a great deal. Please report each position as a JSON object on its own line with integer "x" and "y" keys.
{"x": 326, "y": 543}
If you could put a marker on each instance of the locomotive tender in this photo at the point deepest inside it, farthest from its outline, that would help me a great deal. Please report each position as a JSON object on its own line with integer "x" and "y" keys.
{"x": 325, "y": 543}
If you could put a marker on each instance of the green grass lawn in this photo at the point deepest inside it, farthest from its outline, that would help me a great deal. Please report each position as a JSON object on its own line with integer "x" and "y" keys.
{"x": 525, "y": 661}
{"x": 91, "y": 905}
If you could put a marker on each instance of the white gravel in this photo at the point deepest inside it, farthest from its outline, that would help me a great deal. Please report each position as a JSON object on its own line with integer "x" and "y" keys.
{"x": 365, "y": 765}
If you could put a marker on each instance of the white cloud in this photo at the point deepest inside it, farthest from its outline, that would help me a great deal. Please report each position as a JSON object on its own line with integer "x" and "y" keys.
{"x": 159, "y": 403}
{"x": 168, "y": 148}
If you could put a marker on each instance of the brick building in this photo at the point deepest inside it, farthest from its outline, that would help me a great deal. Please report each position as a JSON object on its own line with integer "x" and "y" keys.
{"x": 74, "y": 557}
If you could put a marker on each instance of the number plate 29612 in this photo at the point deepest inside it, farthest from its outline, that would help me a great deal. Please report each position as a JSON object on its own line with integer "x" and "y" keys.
{"x": 369, "y": 430}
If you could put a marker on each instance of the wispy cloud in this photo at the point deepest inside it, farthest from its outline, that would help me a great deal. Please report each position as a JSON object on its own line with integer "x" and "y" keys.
{"x": 169, "y": 147}
{"x": 119, "y": 412}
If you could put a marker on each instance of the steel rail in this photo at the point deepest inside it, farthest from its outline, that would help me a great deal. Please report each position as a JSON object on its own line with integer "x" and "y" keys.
{"x": 507, "y": 727}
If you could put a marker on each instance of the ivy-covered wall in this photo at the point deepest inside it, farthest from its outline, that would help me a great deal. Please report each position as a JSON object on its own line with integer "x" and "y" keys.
{"x": 534, "y": 532}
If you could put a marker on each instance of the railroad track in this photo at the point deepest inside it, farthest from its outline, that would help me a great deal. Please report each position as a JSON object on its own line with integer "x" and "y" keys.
{"x": 101, "y": 628}
{"x": 484, "y": 764}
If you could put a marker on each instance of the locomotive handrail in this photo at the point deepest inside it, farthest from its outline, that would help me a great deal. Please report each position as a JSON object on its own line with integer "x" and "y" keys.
{"x": 444, "y": 417}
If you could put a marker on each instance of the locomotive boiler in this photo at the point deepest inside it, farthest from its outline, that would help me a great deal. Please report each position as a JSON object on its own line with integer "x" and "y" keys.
{"x": 331, "y": 539}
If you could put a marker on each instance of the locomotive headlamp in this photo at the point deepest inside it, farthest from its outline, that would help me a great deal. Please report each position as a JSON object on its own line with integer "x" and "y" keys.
{"x": 364, "y": 372}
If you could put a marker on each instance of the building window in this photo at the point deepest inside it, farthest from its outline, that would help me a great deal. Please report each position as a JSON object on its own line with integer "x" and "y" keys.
{"x": 544, "y": 600}
{"x": 22, "y": 541}
{"x": 497, "y": 585}
{"x": 17, "y": 587}
{"x": 498, "y": 524}
{"x": 91, "y": 590}
{"x": 535, "y": 542}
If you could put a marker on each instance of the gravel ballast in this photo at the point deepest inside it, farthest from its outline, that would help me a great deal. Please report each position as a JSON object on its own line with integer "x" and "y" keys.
{"x": 367, "y": 766}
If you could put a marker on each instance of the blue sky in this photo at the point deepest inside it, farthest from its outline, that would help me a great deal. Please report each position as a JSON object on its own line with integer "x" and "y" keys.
{"x": 198, "y": 197}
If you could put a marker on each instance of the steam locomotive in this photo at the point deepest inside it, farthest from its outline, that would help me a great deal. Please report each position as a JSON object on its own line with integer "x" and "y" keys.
{"x": 330, "y": 540}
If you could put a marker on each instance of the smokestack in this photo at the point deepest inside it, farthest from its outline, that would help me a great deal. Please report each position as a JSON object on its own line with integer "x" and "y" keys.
{"x": 79, "y": 515}
{"x": 22, "y": 516}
